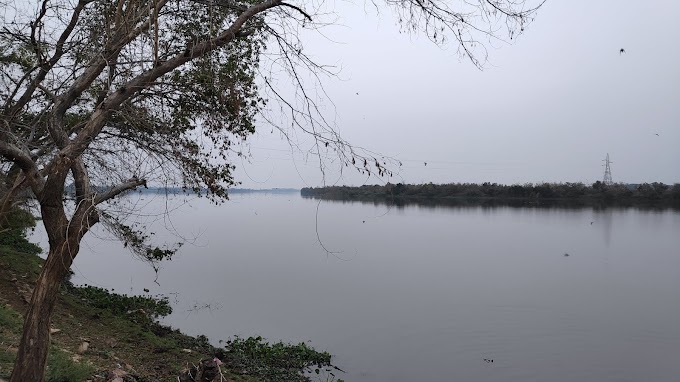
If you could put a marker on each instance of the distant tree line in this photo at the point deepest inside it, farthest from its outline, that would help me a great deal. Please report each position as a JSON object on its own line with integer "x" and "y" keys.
{"x": 653, "y": 194}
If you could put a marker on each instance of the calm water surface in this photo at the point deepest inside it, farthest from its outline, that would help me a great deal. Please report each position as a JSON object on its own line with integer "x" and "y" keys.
{"x": 421, "y": 293}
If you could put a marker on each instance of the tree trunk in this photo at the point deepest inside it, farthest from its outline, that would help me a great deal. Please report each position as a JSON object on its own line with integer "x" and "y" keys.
{"x": 64, "y": 238}
{"x": 32, "y": 355}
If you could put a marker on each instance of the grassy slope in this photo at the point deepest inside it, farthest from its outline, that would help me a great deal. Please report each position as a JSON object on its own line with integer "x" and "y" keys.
{"x": 114, "y": 341}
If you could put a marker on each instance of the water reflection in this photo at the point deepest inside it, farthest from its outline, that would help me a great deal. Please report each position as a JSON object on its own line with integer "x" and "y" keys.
{"x": 603, "y": 219}
{"x": 435, "y": 203}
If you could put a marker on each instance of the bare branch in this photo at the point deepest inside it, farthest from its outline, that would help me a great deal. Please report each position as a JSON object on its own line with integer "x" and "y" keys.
{"x": 46, "y": 66}
{"x": 307, "y": 16}
{"x": 16, "y": 155}
{"x": 117, "y": 190}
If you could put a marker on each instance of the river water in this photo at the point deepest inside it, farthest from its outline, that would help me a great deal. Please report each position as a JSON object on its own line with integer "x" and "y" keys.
{"x": 420, "y": 293}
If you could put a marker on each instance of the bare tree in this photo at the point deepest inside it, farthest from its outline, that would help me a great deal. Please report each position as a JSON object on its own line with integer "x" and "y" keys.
{"x": 111, "y": 95}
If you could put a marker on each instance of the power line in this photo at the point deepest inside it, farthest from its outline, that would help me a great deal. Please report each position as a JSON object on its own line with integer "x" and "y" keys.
{"x": 607, "y": 172}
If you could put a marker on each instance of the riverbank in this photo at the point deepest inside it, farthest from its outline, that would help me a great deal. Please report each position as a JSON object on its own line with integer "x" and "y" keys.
{"x": 88, "y": 340}
{"x": 646, "y": 195}
{"x": 100, "y": 335}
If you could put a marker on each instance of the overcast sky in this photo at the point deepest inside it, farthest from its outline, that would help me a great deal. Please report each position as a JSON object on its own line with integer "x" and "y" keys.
{"x": 547, "y": 108}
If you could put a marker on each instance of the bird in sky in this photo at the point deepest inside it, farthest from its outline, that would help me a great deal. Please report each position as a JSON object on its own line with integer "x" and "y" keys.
{"x": 622, "y": 51}
{"x": 657, "y": 134}
{"x": 425, "y": 163}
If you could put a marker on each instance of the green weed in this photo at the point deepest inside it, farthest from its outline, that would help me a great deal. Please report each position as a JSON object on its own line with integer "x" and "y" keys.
{"x": 140, "y": 308}
{"x": 276, "y": 362}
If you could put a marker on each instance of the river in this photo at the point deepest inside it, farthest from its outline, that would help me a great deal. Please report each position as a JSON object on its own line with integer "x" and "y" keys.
{"x": 419, "y": 293}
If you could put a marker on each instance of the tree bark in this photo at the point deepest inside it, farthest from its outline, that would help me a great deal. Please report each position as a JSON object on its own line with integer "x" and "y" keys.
{"x": 32, "y": 355}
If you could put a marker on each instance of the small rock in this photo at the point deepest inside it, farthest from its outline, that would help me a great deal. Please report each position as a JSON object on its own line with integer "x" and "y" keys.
{"x": 112, "y": 343}
{"x": 83, "y": 347}
{"x": 25, "y": 292}
{"x": 118, "y": 373}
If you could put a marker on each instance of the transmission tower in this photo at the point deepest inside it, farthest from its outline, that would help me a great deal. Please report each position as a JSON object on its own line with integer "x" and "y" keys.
{"x": 607, "y": 172}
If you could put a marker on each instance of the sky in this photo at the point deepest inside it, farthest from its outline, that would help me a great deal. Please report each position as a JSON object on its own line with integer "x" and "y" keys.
{"x": 547, "y": 108}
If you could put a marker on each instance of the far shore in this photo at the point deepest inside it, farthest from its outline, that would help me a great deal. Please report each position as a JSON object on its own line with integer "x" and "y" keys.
{"x": 646, "y": 195}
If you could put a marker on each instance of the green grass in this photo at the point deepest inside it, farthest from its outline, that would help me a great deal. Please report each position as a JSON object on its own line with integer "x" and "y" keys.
{"x": 6, "y": 363}
{"x": 9, "y": 319}
{"x": 20, "y": 263}
{"x": 10, "y": 322}
{"x": 61, "y": 368}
